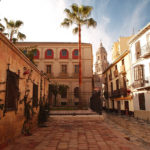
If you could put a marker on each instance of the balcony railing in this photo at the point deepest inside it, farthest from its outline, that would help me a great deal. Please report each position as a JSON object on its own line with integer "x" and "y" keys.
{"x": 139, "y": 83}
{"x": 116, "y": 73}
{"x": 116, "y": 93}
{"x": 145, "y": 50}
{"x": 123, "y": 92}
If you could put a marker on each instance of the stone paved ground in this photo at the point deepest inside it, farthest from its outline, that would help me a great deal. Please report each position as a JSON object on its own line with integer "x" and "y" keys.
{"x": 137, "y": 131}
{"x": 75, "y": 133}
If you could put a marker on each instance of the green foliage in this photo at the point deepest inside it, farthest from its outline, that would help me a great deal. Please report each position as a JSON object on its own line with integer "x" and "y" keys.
{"x": 78, "y": 15}
{"x": 57, "y": 89}
{"x": 43, "y": 113}
{"x": 28, "y": 113}
{"x": 30, "y": 51}
{"x": 12, "y": 28}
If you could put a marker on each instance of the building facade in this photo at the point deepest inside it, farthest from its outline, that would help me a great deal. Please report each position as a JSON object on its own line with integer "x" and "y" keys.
{"x": 60, "y": 61}
{"x": 117, "y": 79}
{"x": 20, "y": 83}
{"x": 140, "y": 56}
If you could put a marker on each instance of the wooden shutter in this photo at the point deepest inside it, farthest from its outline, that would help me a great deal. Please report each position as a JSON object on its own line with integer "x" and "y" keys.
{"x": 138, "y": 49}
{"x": 141, "y": 101}
{"x": 35, "y": 95}
{"x": 12, "y": 91}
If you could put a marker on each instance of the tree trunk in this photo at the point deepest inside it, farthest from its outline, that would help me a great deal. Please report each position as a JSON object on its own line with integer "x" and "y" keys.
{"x": 80, "y": 68}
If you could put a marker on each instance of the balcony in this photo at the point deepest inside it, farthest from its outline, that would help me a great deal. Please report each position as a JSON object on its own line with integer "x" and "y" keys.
{"x": 75, "y": 75}
{"x": 116, "y": 93}
{"x": 122, "y": 70}
{"x": 139, "y": 83}
{"x": 116, "y": 73}
{"x": 63, "y": 75}
{"x": 145, "y": 50}
{"x": 123, "y": 92}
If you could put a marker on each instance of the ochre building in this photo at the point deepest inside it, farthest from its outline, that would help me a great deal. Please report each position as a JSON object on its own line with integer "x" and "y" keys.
{"x": 60, "y": 61}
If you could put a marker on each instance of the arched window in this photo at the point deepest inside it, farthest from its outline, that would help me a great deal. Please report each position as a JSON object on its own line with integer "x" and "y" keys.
{"x": 24, "y": 51}
{"x": 64, "y": 54}
{"x": 76, "y": 92}
{"x": 49, "y": 54}
{"x": 36, "y": 54}
{"x": 75, "y": 54}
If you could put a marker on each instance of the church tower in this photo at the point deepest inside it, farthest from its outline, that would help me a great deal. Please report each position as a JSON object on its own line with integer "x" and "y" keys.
{"x": 100, "y": 66}
{"x": 101, "y": 60}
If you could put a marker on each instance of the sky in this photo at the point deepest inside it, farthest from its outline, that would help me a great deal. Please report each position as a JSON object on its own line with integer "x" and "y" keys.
{"x": 42, "y": 19}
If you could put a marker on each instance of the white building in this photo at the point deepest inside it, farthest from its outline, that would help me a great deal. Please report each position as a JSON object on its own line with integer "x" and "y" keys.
{"x": 140, "y": 58}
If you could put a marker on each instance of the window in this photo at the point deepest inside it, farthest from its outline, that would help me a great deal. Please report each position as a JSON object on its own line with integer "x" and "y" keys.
{"x": 75, "y": 54}
{"x": 137, "y": 49}
{"x": 141, "y": 101}
{"x": 76, "y": 92}
{"x": 25, "y": 51}
{"x": 36, "y": 54}
{"x": 63, "y": 54}
{"x": 48, "y": 68}
{"x": 64, "y": 94}
{"x": 148, "y": 39}
{"x": 122, "y": 61}
{"x": 111, "y": 88}
{"x": 138, "y": 72}
{"x": 12, "y": 91}
{"x": 117, "y": 84}
{"x": 49, "y": 54}
{"x": 35, "y": 95}
{"x": 76, "y": 68}
{"x": 64, "y": 68}
{"x": 115, "y": 67}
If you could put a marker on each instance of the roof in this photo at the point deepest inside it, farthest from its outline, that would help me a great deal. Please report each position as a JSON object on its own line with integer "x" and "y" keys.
{"x": 142, "y": 31}
{"x": 32, "y": 42}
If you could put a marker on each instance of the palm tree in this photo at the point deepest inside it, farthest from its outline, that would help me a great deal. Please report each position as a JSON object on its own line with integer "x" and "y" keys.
{"x": 79, "y": 15}
{"x": 13, "y": 30}
{"x": 2, "y": 28}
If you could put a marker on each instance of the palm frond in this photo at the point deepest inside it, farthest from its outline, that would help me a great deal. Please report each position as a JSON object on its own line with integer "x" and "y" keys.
{"x": 85, "y": 11}
{"x": 75, "y": 8}
{"x": 18, "y": 23}
{"x": 70, "y": 15}
{"x": 21, "y": 36}
{"x": 67, "y": 22}
{"x": 14, "y": 40}
{"x": 91, "y": 22}
{"x": 2, "y": 28}
{"x": 75, "y": 30}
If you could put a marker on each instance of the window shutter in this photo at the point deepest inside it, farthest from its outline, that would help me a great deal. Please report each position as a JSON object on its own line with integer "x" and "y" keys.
{"x": 138, "y": 49}
{"x": 12, "y": 91}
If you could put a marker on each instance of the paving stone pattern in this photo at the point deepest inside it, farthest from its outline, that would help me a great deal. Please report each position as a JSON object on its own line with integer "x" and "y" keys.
{"x": 75, "y": 133}
{"x": 137, "y": 131}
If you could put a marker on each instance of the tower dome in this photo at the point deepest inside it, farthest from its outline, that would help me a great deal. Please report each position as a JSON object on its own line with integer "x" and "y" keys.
{"x": 101, "y": 48}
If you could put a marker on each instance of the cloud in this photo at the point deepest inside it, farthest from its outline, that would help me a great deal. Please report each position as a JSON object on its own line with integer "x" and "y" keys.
{"x": 98, "y": 34}
{"x": 42, "y": 19}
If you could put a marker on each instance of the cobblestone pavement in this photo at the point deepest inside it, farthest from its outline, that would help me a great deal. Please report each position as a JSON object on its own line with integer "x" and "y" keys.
{"x": 75, "y": 133}
{"x": 137, "y": 131}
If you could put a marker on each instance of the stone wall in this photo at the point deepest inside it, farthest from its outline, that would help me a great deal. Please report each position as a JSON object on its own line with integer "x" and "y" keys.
{"x": 12, "y": 59}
